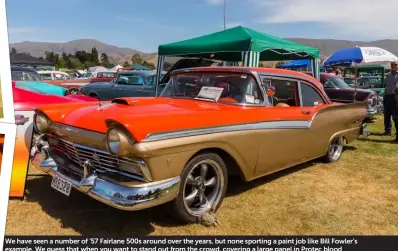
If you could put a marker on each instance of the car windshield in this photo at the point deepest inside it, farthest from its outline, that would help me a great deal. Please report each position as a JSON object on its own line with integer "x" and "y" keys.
{"x": 25, "y": 76}
{"x": 216, "y": 87}
{"x": 87, "y": 75}
{"x": 338, "y": 82}
{"x": 349, "y": 81}
{"x": 129, "y": 79}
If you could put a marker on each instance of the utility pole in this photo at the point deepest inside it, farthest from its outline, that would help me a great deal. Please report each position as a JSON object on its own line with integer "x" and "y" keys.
{"x": 225, "y": 14}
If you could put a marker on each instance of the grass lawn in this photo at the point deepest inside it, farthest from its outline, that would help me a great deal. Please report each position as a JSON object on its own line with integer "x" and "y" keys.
{"x": 356, "y": 195}
{"x": 1, "y": 104}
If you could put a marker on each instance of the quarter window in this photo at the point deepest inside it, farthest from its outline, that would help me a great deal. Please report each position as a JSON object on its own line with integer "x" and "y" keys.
{"x": 310, "y": 97}
{"x": 285, "y": 92}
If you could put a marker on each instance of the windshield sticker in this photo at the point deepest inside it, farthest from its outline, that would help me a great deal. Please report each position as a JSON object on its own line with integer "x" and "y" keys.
{"x": 250, "y": 99}
{"x": 243, "y": 76}
{"x": 212, "y": 93}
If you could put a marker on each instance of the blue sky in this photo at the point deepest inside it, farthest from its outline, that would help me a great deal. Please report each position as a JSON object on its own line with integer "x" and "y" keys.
{"x": 144, "y": 24}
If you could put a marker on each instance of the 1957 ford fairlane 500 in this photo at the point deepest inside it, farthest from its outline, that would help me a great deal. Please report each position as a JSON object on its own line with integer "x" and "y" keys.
{"x": 207, "y": 124}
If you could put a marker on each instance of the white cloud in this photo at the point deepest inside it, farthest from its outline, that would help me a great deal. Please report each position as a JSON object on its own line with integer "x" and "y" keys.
{"x": 366, "y": 18}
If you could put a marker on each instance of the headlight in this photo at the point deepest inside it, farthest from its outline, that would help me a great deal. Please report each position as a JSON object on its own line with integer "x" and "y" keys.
{"x": 41, "y": 123}
{"x": 118, "y": 142}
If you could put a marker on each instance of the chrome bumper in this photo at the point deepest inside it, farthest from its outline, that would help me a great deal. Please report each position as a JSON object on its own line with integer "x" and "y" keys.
{"x": 121, "y": 197}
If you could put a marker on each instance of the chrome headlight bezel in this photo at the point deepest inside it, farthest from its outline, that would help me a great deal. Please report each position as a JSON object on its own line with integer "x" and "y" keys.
{"x": 41, "y": 122}
{"x": 119, "y": 142}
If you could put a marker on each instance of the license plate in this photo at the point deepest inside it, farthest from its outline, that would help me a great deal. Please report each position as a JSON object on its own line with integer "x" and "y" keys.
{"x": 61, "y": 185}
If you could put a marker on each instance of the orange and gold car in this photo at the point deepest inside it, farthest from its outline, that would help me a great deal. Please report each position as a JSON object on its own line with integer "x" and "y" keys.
{"x": 208, "y": 123}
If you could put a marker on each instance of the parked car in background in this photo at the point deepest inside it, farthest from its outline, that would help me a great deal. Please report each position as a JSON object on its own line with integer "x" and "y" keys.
{"x": 209, "y": 123}
{"x": 137, "y": 83}
{"x": 73, "y": 85}
{"x": 25, "y": 101}
{"x": 126, "y": 84}
{"x": 339, "y": 91}
{"x": 54, "y": 75}
{"x": 26, "y": 78}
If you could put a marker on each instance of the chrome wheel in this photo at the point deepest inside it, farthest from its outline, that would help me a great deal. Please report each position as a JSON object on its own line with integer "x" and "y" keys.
{"x": 203, "y": 187}
{"x": 336, "y": 148}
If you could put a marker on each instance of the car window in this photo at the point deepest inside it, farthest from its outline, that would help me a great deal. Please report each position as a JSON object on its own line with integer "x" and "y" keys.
{"x": 232, "y": 87}
{"x": 130, "y": 80}
{"x": 46, "y": 76}
{"x": 58, "y": 76}
{"x": 285, "y": 91}
{"x": 309, "y": 96}
{"x": 151, "y": 80}
{"x": 25, "y": 76}
{"x": 328, "y": 84}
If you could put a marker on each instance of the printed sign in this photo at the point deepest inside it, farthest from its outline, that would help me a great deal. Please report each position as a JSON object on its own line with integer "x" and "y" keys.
{"x": 208, "y": 92}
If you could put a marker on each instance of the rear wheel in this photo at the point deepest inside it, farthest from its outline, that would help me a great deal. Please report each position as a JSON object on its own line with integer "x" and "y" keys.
{"x": 203, "y": 186}
{"x": 335, "y": 149}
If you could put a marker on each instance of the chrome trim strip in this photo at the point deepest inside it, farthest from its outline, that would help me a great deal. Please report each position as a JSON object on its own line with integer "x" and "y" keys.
{"x": 287, "y": 124}
{"x": 299, "y": 93}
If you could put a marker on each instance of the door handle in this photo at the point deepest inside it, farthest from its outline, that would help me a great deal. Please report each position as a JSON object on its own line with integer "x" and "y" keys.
{"x": 306, "y": 112}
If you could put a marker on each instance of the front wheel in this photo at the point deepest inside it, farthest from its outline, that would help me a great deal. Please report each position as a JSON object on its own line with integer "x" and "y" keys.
{"x": 335, "y": 149}
{"x": 203, "y": 186}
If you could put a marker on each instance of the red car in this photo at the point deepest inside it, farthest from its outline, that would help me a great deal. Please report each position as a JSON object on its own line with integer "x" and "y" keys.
{"x": 24, "y": 104}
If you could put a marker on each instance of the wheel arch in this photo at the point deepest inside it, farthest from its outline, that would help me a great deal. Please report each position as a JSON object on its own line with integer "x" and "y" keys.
{"x": 232, "y": 165}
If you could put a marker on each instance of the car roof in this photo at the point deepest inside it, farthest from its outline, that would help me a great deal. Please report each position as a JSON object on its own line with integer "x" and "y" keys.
{"x": 139, "y": 73}
{"x": 271, "y": 71}
{"x": 20, "y": 68}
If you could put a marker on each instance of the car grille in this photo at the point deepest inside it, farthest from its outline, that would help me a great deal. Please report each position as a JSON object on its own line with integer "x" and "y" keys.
{"x": 102, "y": 161}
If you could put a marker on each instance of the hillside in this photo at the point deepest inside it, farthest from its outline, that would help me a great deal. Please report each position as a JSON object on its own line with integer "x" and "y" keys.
{"x": 116, "y": 54}
{"x": 120, "y": 55}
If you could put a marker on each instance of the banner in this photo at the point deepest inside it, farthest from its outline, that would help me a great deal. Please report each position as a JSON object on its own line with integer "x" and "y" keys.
{"x": 201, "y": 243}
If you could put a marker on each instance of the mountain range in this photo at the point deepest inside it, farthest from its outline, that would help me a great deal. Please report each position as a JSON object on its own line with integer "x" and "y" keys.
{"x": 119, "y": 55}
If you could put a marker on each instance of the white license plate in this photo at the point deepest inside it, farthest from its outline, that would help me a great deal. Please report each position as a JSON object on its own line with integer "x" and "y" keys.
{"x": 61, "y": 185}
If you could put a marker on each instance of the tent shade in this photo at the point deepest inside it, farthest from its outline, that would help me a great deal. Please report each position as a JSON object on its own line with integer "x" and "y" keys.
{"x": 227, "y": 46}
{"x": 305, "y": 63}
{"x": 26, "y": 59}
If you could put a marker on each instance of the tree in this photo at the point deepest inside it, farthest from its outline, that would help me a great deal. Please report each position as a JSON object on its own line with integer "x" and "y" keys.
{"x": 126, "y": 64}
{"x": 94, "y": 56}
{"x": 136, "y": 59}
{"x": 50, "y": 57}
{"x": 105, "y": 61}
{"x": 13, "y": 51}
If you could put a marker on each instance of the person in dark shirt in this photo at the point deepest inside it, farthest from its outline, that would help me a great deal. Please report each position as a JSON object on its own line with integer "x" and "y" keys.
{"x": 389, "y": 101}
{"x": 395, "y": 114}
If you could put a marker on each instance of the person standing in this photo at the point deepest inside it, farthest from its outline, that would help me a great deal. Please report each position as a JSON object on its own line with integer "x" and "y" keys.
{"x": 389, "y": 101}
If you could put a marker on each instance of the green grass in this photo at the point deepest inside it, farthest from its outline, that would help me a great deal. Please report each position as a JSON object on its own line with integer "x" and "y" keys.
{"x": 354, "y": 196}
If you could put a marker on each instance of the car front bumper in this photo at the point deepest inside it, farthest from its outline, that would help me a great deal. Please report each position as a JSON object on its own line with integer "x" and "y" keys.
{"x": 130, "y": 198}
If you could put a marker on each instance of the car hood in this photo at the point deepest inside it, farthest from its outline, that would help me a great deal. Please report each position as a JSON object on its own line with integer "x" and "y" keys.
{"x": 27, "y": 100}
{"x": 143, "y": 116}
{"x": 42, "y": 87}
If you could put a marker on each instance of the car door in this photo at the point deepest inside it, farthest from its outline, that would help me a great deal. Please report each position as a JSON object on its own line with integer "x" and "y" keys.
{"x": 284, "y": 144}
{"x": 131, "y": 86}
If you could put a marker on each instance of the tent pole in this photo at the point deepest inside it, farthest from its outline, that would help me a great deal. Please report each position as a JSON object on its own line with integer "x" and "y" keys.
{"x": 159, "y": 69}
{"x": 225, "y": 14}
{"x": 356, "y": 82}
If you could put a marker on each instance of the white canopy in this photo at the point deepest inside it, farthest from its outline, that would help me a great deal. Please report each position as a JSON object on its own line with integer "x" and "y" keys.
{"x": 117, "y": 67}
{"x": 98, "y": 69}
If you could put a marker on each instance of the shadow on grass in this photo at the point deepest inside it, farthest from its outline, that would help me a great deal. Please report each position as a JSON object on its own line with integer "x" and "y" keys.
{"x": 90, "y": 217}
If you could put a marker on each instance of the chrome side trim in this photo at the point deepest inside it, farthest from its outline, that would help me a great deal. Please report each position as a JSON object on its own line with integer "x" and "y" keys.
{"x": 287, "y": 124}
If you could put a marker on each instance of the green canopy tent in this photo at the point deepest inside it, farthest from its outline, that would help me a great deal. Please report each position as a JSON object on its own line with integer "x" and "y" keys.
{"x": 240, "y": 44}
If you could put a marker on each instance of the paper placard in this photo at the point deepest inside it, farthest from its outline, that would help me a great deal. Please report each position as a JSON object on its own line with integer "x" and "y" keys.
{"x": 208, "y": 92}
